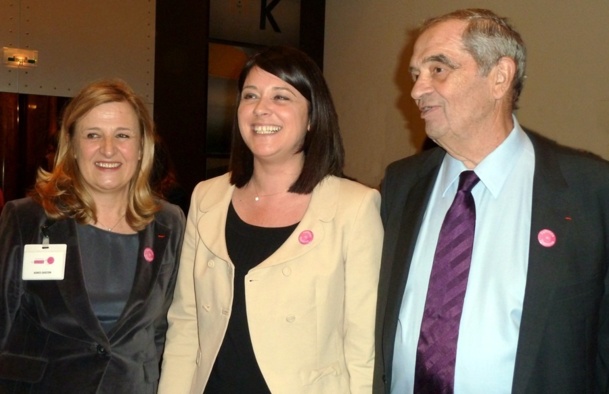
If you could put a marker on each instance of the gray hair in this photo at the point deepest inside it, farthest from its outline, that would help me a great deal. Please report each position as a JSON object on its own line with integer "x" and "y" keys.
{"x": 488, "y": 38}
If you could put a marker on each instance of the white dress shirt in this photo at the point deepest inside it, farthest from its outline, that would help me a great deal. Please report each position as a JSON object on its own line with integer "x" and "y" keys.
{"x": 490, "y": 323}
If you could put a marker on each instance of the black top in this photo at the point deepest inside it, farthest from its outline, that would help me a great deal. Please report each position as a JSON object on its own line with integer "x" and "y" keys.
{"x": 109, "y": 270}
{"x": 235, "y": 369}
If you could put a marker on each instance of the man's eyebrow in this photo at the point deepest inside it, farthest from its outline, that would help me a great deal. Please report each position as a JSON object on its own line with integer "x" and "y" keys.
{"x": 441, "y": 59}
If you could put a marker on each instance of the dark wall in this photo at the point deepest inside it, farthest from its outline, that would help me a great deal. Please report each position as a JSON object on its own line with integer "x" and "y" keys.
{"x": 180, "y": 84}
{"x": 28, "y": 129}
{"x": 312, "y": 29}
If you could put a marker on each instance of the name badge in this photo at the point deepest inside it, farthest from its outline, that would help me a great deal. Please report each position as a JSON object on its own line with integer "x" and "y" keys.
{"x": 44, "y": 262}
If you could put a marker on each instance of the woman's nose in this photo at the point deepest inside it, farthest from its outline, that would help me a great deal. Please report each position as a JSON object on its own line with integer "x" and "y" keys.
{"x": 107, "y": 146}
{"x": 261, "y": 107}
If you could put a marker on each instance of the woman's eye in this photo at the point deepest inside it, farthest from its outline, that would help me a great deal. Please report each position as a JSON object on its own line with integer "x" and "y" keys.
{"x": 91, "y": 136}
{"x": 281, "y": 98}
{"x": 247, "y": 96}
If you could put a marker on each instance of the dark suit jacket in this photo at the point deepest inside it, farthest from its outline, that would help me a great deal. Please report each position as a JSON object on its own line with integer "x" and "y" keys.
{"x": 563, "y": 345}
{"x": 50, "y": 339}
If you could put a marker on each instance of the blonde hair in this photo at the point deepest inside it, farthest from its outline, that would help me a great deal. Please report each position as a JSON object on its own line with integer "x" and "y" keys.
{"x": 62, "y": 192}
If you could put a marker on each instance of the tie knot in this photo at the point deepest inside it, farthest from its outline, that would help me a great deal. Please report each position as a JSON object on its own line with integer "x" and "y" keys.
{"x": 467, "y": 181}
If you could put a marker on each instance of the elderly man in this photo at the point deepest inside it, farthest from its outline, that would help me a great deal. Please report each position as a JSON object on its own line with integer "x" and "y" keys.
{"x": 504, "y": 289}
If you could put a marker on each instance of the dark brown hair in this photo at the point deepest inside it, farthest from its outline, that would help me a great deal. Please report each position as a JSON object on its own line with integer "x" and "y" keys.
{"x": 322, "y": 147}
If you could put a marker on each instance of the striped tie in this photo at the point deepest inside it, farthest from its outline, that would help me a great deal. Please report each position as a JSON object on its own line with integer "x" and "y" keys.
{"x": 437, "y": 348}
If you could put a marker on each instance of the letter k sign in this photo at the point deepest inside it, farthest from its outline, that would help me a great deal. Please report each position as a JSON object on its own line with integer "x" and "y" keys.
{"x": 265, "y": 13}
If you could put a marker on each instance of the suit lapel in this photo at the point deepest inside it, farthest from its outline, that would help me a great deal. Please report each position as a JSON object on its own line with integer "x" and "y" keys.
{"x": 212, "y": 211}
{"x": 310, "y": 231}
{"x": 72, "y": 287}
{"x": 152, "y": 244}
{"x": 214, "y": 206}
{"x": 545, "y": 268}
{"x": 401, "y": 250}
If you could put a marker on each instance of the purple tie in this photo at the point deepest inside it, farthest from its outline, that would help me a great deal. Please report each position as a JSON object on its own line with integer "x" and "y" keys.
{"x": 437, "y": 348}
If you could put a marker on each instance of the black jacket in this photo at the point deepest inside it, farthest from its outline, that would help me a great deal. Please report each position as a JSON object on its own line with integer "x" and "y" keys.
{"x": 563, "y": 346}
{"x": 50, "y": 339}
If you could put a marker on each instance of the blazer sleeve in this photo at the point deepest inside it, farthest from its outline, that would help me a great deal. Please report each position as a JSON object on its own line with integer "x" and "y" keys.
{"x": 182, "y": 344}
{"x": 362, "y": 263}
{"x": 602, "y": 364}
{"x": 177, "y": 223}
{"x": 11, "y": 254}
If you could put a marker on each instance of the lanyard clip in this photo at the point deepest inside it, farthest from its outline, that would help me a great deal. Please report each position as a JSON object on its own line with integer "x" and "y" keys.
{"x": 45, "y": 235}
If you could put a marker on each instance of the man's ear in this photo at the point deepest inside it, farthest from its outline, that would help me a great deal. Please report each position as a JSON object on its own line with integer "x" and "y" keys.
{"x": 504, "y": 73}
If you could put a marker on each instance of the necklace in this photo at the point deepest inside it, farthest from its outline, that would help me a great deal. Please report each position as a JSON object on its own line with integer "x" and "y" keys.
{"x": 110, "y": 228}
{"x": 258, "y": 195}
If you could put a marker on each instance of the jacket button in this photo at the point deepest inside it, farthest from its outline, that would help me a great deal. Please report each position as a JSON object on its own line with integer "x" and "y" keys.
{"x": 290, "y": 318}
{"x": 101, "y": 351}
{"x": 287, "y": 271}
{"x": 211, "y": 264}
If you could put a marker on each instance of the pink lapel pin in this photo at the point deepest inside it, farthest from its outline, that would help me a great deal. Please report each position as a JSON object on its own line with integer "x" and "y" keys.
{"x": 546, "y": 238}
{"x": 305, "y": 237}
{"x": 148, "y": 255}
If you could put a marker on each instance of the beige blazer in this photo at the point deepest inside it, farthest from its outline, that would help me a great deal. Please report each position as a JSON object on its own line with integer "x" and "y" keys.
{"x": 310, "y": 306}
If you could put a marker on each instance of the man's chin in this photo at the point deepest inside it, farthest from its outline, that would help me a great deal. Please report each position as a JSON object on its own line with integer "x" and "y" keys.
{"x": 434, "y": 133}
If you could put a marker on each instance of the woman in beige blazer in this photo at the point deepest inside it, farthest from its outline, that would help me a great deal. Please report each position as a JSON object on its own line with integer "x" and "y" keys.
{"x": 278, "y": 275}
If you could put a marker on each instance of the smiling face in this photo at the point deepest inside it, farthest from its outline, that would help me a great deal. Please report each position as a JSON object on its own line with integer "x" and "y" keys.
{"x": 107, "y": 143}
{"x": 273, "y": 117}
{"x": 456, "y": 101}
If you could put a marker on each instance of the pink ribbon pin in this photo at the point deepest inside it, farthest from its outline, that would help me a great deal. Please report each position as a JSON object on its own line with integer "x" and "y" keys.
{"x": 546, "y": 238}
{"x": 305, "y": 237}
{"x": 148, "y": 255}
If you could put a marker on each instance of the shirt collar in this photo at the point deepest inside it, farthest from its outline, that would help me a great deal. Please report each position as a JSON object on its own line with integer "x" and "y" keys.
{"x": 493, "y": 170}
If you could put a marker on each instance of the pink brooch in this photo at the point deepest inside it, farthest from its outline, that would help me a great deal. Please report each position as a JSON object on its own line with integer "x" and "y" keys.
{"x": 305, "y": 237}
{"x": 546, "y": 238}
{"x": 148, "y": 255}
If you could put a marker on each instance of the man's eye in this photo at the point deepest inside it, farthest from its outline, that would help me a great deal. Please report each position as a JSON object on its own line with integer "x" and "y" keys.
{"x": 437, "y": 70}
{"x": 91, "y": 136}
{"x": 414, "y": 77}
